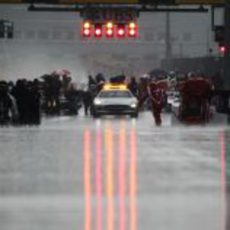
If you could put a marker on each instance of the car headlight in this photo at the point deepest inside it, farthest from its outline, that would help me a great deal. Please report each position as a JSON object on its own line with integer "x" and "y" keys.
{"x": 133, "y": 105}
{"x": 97, "y": 101}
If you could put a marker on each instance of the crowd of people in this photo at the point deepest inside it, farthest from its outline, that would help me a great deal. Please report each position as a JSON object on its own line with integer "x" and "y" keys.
{"x": 20, "y": 102}
{"x": 24, "y": 102}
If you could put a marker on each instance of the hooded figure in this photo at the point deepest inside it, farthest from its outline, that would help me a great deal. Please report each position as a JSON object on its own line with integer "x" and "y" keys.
{"x": 156, "y": 96}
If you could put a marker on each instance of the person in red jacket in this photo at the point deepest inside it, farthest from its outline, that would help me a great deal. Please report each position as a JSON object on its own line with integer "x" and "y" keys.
{"x": 156, "y": 95}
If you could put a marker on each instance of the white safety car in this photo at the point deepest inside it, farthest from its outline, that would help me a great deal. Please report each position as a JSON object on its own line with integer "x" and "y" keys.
{"x": 115, "y": 99}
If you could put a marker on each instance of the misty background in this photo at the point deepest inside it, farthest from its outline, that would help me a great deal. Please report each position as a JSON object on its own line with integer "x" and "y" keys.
{"x": 47, "y": 41}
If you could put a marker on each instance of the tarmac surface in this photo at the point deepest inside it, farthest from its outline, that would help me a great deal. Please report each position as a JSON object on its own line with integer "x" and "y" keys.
{"x": 114, "y": 173}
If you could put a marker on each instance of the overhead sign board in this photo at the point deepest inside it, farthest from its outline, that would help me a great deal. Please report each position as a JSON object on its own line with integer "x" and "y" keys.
{"x": 11, "y": 1}
{"x": 114, "y": 2}
{"x": 100, "y": 15}
{"x": 152, "y": 2}
{"x": 99, "y": 1}
{"x": 110, "y": 2}
{"x": 199, "y": 2}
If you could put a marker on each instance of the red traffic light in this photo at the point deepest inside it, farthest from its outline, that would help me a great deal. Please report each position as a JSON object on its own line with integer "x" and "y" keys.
{"x": 86, "y": 29}
{"x": 98, "y": 31}
{"x": 132, "y": 32}
{"x": 120, "y": 30}
{"x": 109, "y": 29}
{"x": 86, "y": 32}
{"x": 132, "y": 29}
{"x": 222, "y": 49}
{"x": 109, "y": 32}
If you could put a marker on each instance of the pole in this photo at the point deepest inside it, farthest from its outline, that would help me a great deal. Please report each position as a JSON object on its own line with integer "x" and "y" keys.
{"x": 227, "y": 55}
{"x": 168, "y": 48}
{"x": 227, "y": 45}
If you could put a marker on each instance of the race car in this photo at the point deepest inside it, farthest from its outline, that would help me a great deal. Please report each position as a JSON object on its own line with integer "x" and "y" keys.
{"x": 115, "y": 99}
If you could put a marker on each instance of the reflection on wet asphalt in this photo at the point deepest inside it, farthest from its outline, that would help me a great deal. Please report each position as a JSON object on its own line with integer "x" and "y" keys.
{"x": 114, "y": 173}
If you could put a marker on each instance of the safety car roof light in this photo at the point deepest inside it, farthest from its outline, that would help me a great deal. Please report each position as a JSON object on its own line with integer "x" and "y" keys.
{"x": 115, "y": 86}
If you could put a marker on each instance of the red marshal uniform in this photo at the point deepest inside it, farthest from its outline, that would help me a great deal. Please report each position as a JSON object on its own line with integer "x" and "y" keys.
{"x": 156, "y": 95}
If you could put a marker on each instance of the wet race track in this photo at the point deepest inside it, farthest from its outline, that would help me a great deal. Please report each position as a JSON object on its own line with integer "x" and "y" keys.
{"x": 113, "y": 174}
